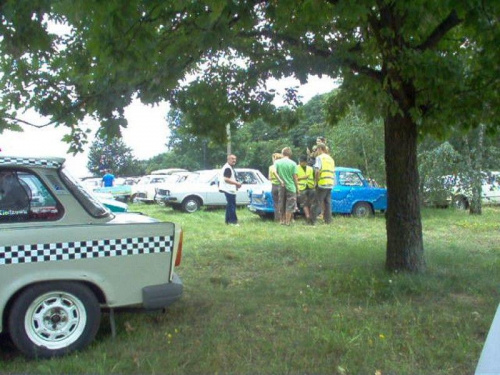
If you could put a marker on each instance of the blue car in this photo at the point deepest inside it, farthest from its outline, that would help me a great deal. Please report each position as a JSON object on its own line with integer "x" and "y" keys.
{"x": 352, "y": 194}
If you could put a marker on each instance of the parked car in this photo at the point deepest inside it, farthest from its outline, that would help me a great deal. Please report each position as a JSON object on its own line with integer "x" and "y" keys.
{"x": 201, "y": 188}
{"x": 110, "y": 202}
{"x": 91, "y": 183}
{"x": 65, "y": 257}
{"x": 352, "y": 194}
{"x": 456, "y": 191}
{"x": 490, "y": 190}
{"x": 145, "y": 189}
{"x": 121, "y": 190}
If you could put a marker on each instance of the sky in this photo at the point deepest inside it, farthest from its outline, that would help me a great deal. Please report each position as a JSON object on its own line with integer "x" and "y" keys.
{"x": 146, "y": 134}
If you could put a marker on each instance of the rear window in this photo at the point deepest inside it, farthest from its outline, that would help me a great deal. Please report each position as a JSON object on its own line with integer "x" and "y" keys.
{"x": 86, "y": 199}
{"x": 25, "y": 198}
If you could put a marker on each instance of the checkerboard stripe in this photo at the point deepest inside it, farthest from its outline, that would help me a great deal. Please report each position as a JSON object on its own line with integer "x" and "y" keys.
{"x": 57, "y": 251}
{"x": 30, "y": 161}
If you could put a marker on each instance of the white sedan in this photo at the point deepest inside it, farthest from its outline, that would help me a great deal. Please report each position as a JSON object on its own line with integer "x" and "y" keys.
{"x": 145, "y": 189}
{"x": 201, "y": 188}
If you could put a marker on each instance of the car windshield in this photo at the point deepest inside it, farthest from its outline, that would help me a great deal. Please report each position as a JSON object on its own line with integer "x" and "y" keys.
{"x": 200, "y": 176}
{"x": 144, "y": 180}
{"x": 86, "y": 199}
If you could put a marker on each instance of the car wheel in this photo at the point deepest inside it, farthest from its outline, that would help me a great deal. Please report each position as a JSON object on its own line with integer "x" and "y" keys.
{"x": 191, "y": 204}
{"x": 362, "y": 209}
{"x": 54, "y": 318}
{"x": 461, "y": 203}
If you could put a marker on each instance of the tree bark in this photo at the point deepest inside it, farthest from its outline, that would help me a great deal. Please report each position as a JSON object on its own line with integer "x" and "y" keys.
{"x": 477, "y": 168}
{"x": 405, "y": 249}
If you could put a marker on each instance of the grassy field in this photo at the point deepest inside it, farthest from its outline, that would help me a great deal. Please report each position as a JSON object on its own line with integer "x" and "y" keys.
{"x": 266, "y": 299}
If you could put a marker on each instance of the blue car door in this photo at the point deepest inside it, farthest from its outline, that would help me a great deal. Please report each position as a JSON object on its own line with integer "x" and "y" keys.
{"x": 341, "y": 192}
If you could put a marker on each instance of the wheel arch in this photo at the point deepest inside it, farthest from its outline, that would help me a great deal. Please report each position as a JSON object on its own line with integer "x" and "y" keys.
{"x": 461, "y": 198}
{"x": 193, "y": 196}
{"x": 362, "y": 202}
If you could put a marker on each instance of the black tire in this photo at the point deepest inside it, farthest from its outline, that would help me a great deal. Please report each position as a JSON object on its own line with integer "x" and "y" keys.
{"x": 53, "y": 319}
{"x": 460, "y": 203}
{"x": 362, "y": 209}
{"x": 191, "y": 204}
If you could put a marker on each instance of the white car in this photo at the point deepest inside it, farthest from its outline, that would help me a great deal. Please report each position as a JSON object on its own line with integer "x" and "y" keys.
{"x": 454, "y": 190}
{"x": 145, "y": 189}
{"x": 201, "y": 188}
{"x": 490, "y": 191}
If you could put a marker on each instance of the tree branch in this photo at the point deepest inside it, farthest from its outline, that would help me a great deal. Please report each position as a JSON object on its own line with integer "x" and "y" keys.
{"x": 372, "y": 73}
{"x": 19, "y": 121}
{"x": 434, "y": 38}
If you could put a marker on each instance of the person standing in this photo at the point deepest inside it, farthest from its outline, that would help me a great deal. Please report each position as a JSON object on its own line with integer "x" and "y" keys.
{"x": 276, "y": 183}
{"x": 305, "y": 177}
{"x": 324, "y": 169}
{"x": 287, "y": 170}
{"x": 228, "y": 185}
{"x": 108, "y": 179}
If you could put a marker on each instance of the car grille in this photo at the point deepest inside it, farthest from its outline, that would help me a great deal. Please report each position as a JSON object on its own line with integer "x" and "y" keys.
{"x": 259, "y": 199}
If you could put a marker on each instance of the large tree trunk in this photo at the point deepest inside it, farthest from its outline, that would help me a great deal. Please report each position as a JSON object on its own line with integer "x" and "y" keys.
{"x": 405, "y": 250}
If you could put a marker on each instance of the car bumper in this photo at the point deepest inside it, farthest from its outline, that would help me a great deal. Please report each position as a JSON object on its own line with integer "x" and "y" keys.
{"x": 259, "y": 211}
{"x": 163, "y": 295}
{"x": 168, "y": 199}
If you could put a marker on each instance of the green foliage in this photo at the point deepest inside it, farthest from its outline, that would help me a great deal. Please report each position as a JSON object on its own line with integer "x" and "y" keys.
{"x": 354, "y": 142}
{"x": 469, "y": 156}
{"x": 424, "y": 66}
{"x": 116, "y": 51}
{"x": 359, "y": 143}
{"x": 113, "y": 154}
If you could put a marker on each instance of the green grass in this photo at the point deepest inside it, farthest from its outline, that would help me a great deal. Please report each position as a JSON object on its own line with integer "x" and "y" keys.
{"x": 264, "y": 298}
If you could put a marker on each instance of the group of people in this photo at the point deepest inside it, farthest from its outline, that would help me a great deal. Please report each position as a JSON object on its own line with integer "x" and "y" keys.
{"x": 293, "y": 185}
{"x": 302, "y": 185}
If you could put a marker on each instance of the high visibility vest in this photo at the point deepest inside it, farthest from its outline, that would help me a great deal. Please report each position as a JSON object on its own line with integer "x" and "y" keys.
{"x": 307, "y": 182}
{"x": 326, "y": 174}
{"x": 272, "y": 175}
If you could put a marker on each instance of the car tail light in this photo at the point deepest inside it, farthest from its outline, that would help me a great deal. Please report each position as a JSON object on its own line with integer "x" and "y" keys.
{"x": 179, "y": 250}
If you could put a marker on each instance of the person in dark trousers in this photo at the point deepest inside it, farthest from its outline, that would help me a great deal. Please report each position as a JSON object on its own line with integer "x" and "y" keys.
{"x": 324, "y": 168}
{"x": 276, "y": 183}
{"x": 229, "y": 186}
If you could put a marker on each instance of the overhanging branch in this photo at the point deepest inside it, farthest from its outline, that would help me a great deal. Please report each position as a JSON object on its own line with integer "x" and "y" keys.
{"x": 440, "y": 31}
{"x": 19, "y": 121}
{"x": 294, "y": 42}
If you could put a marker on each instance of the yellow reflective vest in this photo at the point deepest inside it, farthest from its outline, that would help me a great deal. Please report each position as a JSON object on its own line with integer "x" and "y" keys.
{"x": 307, "y": 182}
{"x": 326, "y": 174}
{"x": 272, "y": 175}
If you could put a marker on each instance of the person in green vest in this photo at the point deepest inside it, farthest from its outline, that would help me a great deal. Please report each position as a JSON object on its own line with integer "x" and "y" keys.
{"x": 305, "y": 177}
{"x": 287, "y": 170}
{"x": 324, "y": 172}
{"x": 277, "y": 183}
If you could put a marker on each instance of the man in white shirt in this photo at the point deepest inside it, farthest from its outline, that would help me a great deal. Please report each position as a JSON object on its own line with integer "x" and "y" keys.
{"x": 228, "y": 185}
